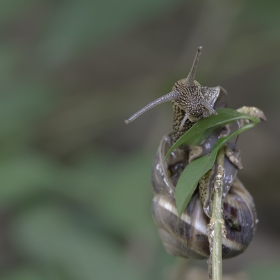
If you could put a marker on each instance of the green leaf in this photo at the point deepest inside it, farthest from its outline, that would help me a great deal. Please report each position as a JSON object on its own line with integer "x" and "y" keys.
{"x": 203, "y": 128}
{"x": 196, "y": 169}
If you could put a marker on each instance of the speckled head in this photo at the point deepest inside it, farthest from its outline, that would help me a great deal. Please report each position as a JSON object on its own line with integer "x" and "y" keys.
{"x": 196, "y": 101}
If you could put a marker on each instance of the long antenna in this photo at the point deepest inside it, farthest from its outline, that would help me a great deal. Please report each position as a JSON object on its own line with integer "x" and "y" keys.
{"x": 191, "y": 76}
{"x": 173, "y": 95}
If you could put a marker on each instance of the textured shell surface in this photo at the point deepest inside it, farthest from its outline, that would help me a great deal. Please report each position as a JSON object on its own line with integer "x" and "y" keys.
{"x": 186, "y": 236}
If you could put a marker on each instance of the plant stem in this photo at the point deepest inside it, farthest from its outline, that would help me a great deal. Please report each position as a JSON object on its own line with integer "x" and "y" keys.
{"x": 216, "y": 226}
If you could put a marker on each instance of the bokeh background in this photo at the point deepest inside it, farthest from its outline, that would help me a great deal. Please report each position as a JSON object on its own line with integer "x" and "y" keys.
{"x": 75, "y": 191}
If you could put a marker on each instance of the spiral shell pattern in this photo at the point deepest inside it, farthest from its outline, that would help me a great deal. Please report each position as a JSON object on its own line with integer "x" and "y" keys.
{"x": 186, "y": 236}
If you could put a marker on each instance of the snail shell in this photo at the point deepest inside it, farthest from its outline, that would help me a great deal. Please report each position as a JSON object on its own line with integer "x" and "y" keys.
{"x": 186, "y": 236}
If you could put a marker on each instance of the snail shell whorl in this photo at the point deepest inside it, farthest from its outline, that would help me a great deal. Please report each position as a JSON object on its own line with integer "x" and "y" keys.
{"x": 187, "y": 236}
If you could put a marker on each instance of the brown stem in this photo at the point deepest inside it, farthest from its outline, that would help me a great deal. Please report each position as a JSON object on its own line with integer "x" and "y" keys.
{"x": 215, "y": 228}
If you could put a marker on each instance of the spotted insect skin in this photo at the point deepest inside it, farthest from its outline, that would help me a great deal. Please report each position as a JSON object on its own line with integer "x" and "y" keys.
{"x": 217, "y": 97}
{"x": 177, "y": 120}
{"x": 190, "y": 99}
{"x": 194, "y": 101}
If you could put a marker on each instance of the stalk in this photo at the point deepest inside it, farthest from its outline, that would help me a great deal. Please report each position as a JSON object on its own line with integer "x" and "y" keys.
{"x": 216, "y": 228}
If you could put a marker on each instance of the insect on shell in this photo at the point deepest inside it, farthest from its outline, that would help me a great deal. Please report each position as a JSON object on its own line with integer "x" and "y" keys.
{"x": 186, "y": 236}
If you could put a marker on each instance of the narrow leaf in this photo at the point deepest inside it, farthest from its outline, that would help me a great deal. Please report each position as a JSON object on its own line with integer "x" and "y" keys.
{"x": 190, "y": 176}
{"x": 188, "y": 181}
{"x": 203, "y": 128}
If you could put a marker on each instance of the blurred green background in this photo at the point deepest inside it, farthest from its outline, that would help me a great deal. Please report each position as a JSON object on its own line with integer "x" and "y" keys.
{"x": 75, "y": 195}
